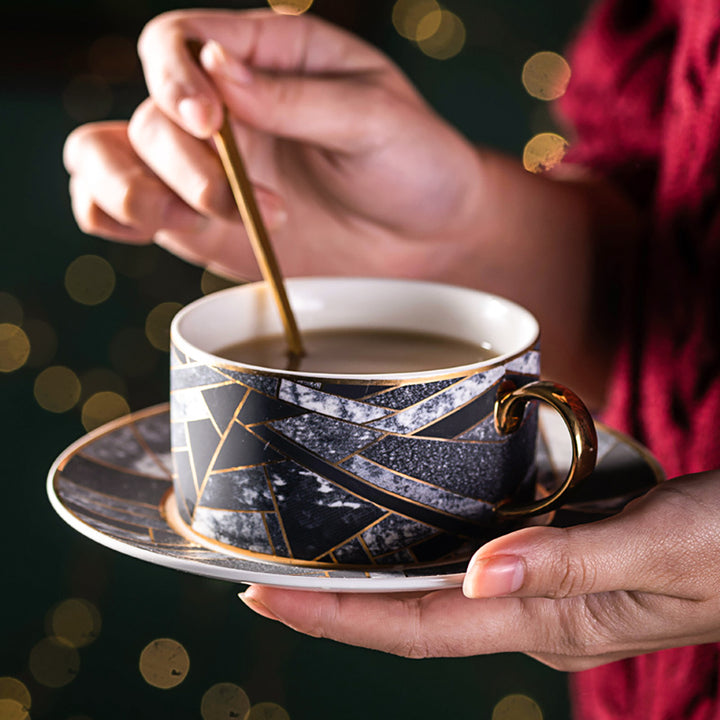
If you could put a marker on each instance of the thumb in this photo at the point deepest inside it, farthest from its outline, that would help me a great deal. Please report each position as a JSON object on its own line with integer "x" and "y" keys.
{"x": 630, "y": 551}
{"x": 338, "y": 112}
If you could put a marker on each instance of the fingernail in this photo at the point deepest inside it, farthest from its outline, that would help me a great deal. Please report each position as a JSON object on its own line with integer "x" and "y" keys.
{"x": 196, "y": 113}
{"x": 494, "y": 576}
{"x": 215, "y": 58}
{"x": 255, "y": 605}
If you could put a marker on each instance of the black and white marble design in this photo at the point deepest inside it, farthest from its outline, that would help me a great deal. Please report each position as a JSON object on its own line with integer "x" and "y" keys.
{"x": 117, "y": 506}
{"x": 323, "y": 461}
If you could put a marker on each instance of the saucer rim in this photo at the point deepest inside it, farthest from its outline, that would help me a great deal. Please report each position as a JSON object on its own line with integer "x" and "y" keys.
{"x": 381, "y": 580}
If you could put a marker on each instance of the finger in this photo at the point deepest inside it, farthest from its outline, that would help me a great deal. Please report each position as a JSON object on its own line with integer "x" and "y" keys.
{"x": 92, "y": 220}
{"x": 642, "y": 549}
{"x": 122, "y": 185}
{"x": 438, "y": 624}
{"x": 269, "y": 41}
{"x": 323, "y": 110}
{"x": 192, "y": 169}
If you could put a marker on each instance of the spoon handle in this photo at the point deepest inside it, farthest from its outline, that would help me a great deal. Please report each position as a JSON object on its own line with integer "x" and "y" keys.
{"x": 242, "y": 191}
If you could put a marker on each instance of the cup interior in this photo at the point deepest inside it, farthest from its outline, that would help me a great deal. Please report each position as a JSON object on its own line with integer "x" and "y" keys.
{"x": 248, "y": 311}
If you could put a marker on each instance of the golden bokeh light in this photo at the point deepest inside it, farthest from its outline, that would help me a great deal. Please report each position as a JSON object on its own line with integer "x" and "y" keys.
{"x": 114, "y": 58}
{"x": 43, "y": 342}
{"x": 14, "y": 347}
{"x": 87, "y": 97}
{"x": 517, "y": 707}
{"x": 54, "y": 663}
{"x": 101, "y": 408}
{"x": 546, "y": 75}
{"x": 544, "y": 151}
{"x": 414, "y": 19}
{"x": 12, "y": 710}
{"x": 448, "y": 40}
{"x": 57, "y": 389}
{"x": 224, "y": 701}
{"x": 15, "y": 699}
{"x": 267, "y": 711}
{"x": 75, "y": 621}
{"x": 290, "y": 7}
{"x": 90, "y": 280}
{"x": 164, "y": 663}
{"x": 210, "y": 282}
{"x": 157, "y": 324}
{"x": 101, "y": 380}
{"x": 10, "y": 309}
{"x": 131, "y": 354}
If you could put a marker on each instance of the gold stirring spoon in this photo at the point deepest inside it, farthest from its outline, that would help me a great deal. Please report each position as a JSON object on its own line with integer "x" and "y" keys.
{"x": 257, "y": 233}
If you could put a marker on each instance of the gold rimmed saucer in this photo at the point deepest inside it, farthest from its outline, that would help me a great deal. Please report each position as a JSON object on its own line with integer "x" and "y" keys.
{"x": 113, "y": 485}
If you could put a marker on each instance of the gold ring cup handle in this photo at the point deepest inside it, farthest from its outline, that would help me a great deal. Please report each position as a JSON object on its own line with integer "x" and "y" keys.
{"x": 509, "y": 408}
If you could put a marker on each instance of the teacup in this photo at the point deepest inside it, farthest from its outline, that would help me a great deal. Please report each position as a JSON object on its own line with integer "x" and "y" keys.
{"x": 369, "y": 468}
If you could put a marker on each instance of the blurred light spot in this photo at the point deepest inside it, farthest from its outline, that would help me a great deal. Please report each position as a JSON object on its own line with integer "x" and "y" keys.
{"x": 290, "y": 7}
{"x": 210, "y": 282}
{"x": 75, "y": 621}
{"x": 131, "y": 354}
{"x": 57, "y": 389}
{"x": 113, "y": 58}
{"x": 224, "y": 701}
{"x": 101, "y": 380}
{"x": 12, "y": 710}
{"x": 544, "y": 151}
{"x": 43, "y": 342}
{"x": 157, "y": 324}
{"x": 15, "y": 700}
{"x": 14, "y": 347}
{"x": 448, "y": 40}
{"x": 546, "y": 75}
{"x": 87, "y": 97}
{"x": 90, "y": 279}
{"x": 134, "y": 261}
{"x": 101, "y": 408}
{"x": 429, "y": 25}
{"x": 54, "y": 663}
{"x": 267, "y": 711}
{"x": 409, "y": 15}
{"x": 517, "y": 707}
{"x": 10, "y": 309}
{"x": 164, "y": 663}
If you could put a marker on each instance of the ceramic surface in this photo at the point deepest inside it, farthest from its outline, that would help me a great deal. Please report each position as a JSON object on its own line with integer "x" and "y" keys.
{"x": 113, "y": 484}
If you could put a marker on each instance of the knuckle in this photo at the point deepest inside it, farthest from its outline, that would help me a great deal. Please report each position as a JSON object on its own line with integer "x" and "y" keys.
{"x": 414, "y": 646}
{"x": 575, "y": 575}
{"x": 143, "y": 123}
{"x": 165, "y": 22}
{"x": 139, "y": 200}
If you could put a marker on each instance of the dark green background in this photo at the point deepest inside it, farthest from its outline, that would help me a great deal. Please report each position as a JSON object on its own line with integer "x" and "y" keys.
{"x": 44, "y": 45}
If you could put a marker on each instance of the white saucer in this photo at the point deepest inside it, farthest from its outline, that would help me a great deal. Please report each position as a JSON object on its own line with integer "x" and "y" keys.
{"x": 111, "y": 486}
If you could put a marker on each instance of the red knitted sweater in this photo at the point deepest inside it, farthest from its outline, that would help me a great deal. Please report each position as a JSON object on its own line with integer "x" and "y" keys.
{"x": 645, "y": 103}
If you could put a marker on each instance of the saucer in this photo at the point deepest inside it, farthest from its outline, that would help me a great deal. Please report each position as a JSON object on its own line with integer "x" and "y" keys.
{"x": 113, "y": 485}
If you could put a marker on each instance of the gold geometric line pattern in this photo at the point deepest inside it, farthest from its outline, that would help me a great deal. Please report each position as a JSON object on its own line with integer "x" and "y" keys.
{"x": 356, "y": 536}
{"x": 218, "y": 448}
{"x": 472, "y": 427}
{"x": 415, "y": 480}
{"x": 191, "y": 458}
{"x": 144, "y": 445}
{"x": 267, "y": 532}
{"x": 337, "y": 463}
{"x": 364, "y": 481}
{"x": 211, "y": 386}
{"x": 222, "y": 471}
{"x": 435, "y": 420}
{"x": 277, "y": 512}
